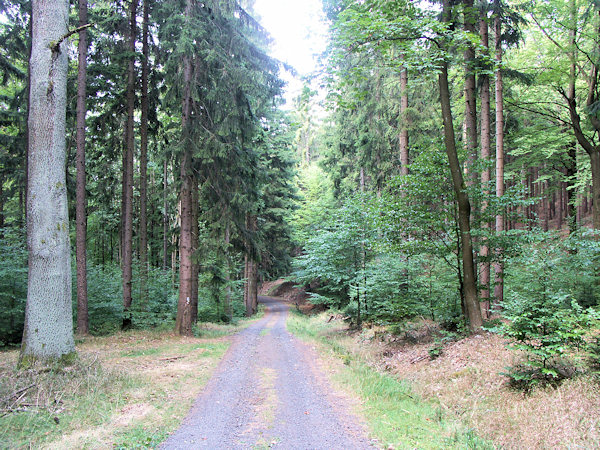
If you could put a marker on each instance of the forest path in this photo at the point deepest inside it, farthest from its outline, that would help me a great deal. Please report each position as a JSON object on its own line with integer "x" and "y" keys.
{"x": 268, "y": 393}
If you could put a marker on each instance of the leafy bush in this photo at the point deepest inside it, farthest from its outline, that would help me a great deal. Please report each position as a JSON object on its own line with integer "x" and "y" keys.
{"x": 105, "y": 299}
{"x": 546, "y": 320}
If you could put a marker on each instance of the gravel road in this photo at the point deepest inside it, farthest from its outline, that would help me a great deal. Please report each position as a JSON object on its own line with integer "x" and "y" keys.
{"x": 268, "y": 392}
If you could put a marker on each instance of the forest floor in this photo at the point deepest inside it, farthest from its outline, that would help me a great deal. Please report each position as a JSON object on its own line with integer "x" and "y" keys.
{"x": 128, "y": 390}
{"x": 464, "y": 383}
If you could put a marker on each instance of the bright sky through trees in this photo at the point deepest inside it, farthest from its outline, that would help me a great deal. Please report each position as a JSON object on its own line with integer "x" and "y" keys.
{"x": 300, "y": 34}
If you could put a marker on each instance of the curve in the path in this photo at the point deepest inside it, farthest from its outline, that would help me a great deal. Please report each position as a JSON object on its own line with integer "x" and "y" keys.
{"x": 266, "y": 393}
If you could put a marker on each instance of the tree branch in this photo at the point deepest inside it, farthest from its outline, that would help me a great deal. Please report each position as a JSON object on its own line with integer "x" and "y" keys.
{"x": 55, "y": 45}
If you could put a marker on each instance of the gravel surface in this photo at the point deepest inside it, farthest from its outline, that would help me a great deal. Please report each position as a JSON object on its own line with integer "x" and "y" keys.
{"x": 269, "y": 393}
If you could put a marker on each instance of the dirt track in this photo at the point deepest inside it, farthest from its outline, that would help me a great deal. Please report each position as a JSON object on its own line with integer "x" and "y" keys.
{"x": 269, "y": 393}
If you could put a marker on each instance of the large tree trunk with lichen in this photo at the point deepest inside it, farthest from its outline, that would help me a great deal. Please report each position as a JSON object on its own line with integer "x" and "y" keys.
{"x": 48, "y": 332}
{"x": 80, "y": 208}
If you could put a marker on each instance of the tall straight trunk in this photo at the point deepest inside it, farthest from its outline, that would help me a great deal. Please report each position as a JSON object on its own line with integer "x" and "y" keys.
{"x": 470, "y": 122}
{"x": 165, "y": 216}
{"x": 123, "y": 195}
{"x": 251, "y": 269}
{"x": 1, "y": 205}
{"x": 499, "y": 264}
{"x": 485, "y": 174}
{"x": 246, "y": 266}
{"x": 195, "y": 246}
{"x": 48, "y": 328}
{"x": 183, "y": 324}
{"x": 404, "y": 122}
{"x": 464, "y": 207}
{"x": 128, "y": 172}
{"x": 144, "y": 157}
{"x": 560, "y": 205}
{"x": 545, "y": 205}
{"x": 23, "y": 188}
{"x": 228, "y": 311}
{"x": 80, "y": 204}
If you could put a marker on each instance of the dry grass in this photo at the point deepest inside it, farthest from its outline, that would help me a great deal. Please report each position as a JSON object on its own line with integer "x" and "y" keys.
{"x": 130, "y": 389}
{"x": 466, "y": 382}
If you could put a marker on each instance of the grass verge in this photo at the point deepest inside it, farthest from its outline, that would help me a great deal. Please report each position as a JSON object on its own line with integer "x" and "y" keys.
{"x": 129, "y": 390}
{"x": 396, "y": 416}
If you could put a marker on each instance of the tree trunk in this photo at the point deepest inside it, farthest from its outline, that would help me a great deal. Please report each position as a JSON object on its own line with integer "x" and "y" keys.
{"x": 80, "y": 205}
{"x": 144, "y": 158}
{"x": 228, "y": 311}
{"x": 464, "y": 208}
{"x": 251, "y": 269}
{"x": 470, "y": 122}
{"x": 1, "y": 205}
{"x": 546, "y": 201}
{"x": 595, "y": 163}
{"x": 404, "y": 122}
{"x": 499, "y": 264}
{"x": 165, "y": 216}
{"x": 24, "y": 185}
{"x": 183, "y": 324}
{"x": 48, "y": 329}
{"x": 195, "y": 245}
{"x": 128, "y": 199}
{"x": 485, "y": 174}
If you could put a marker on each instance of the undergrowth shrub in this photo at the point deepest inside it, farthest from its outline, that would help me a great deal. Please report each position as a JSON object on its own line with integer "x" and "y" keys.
{"x": 543, "y": 305}
{"x": 13, "y": 286}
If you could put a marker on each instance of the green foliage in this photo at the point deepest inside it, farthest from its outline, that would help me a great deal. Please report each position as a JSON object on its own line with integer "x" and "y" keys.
{"x": 351, "y": 266}
{"x": 337, "y": 256}
{"x": 546, "y": 280}
{"x": 13, "y": 286}
{"x": 105, "y": 303}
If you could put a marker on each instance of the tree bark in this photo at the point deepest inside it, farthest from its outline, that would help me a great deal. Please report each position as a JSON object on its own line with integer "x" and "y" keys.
{"x": 404, "y": 122}
{"x": 165, "y": 216}
{"x": 499, "y": 264}
{"x": 228, "y": 311}
{"x": 464, "y": 207}
{"x": 470, "y": 98}
{"x": 183, "y": 324}
{"x": 251, "y": 269}
{"x": 128, "y": 199}
{"x": 485, "y": 174}
{"x": 195, "y": 246}
{"x": 144, "y": 157}
{"x": 1, "y": 205}
{"x": 48, "y": 330}
{"x": 80, "y": 204}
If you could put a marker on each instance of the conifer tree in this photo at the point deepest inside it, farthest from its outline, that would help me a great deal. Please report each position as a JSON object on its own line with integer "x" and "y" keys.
{"x": 48, "y": 330}
{"x": 127, "y": 218}
{"x": 80, "y": 209}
